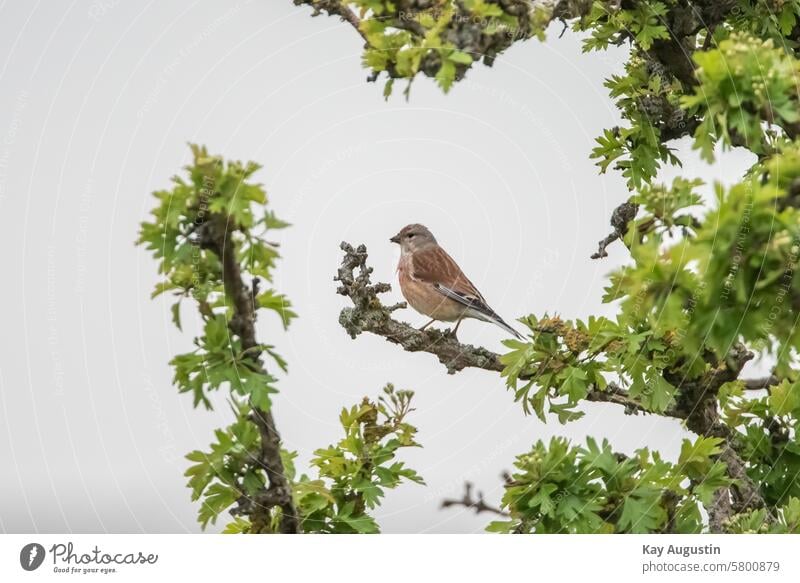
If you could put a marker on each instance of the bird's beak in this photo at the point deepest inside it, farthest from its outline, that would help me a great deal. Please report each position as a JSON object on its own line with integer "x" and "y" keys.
{"x": 395, "y": 239}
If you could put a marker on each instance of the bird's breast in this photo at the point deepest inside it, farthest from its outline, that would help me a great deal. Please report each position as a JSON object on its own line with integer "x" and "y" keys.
{"x": 424, "y": 298}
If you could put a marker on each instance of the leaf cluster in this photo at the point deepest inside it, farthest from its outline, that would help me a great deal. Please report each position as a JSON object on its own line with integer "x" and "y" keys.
{"x": 560, "y": 488}
{"x": 746, "y": 86}
{"x": 354, "y": 474}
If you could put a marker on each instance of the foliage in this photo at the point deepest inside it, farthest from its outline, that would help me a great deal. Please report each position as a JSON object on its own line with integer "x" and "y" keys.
{"x": 688, "y": 302}
{"x": 354, "y": 473}
{"x": 225, "y": 472}
{"x": 756, "y": 521}
{"x": 558, "y": 488}
{"x": 742, "y": 84}
{"x": 731, "y": 278}
{"x": 219, "y": 194}
{"x": 208, "y": 233}
{"x": 569, "y": 360}
{"x": 724, "y": 73}
{"x": 766, "y": 429}
{"x": 710, "y": 285}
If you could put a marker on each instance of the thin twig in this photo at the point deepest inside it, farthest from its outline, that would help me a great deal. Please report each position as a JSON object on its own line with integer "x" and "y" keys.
{"x": 477, "y": 504}
{"x": 335, "y": 8}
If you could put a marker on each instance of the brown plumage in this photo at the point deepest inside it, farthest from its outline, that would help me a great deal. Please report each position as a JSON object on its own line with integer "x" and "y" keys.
{"x": 434, "y": 285}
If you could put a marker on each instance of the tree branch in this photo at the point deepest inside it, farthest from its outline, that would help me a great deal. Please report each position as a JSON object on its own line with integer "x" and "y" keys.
{"x": 761, "y": 384}
{"x": 620, "y": 218}
{"x": 216, "y": 235}
{"x": 335, "y": 8}
{"x": 368, "y": 314}
{"x": 696, "y": 405}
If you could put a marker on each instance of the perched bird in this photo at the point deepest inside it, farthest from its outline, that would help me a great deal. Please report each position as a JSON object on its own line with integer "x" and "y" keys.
{"x": 434, "y": 285}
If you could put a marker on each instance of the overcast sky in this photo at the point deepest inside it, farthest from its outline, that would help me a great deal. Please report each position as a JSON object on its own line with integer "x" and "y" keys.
{"x": 97, "y": 102}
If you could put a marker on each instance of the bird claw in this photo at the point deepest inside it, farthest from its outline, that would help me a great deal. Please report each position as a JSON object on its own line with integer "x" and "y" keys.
{"x": 425, "y": 326}
{"x": 451, "y": 332}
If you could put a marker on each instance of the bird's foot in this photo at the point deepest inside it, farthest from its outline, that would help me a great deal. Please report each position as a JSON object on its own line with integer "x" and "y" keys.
{"x": 426, "y": 325}
{"x": 452, "y": 332}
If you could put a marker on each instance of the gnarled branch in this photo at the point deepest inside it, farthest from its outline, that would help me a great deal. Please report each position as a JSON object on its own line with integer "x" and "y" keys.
{"x": 620, "y": 218}
{"x": 368, "y": 314}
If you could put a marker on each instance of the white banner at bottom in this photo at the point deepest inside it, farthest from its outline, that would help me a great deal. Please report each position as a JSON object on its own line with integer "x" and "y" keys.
{"x": 390, "y": 558}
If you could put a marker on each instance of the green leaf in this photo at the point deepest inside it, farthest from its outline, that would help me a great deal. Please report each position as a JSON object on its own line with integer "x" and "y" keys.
{"x": 501, "y": 526}
{"x": 361, "y": 524}
{"x": 176, "y": 314}
{"x": 784, "y": 399}
{"x": 695, "y": 458}
{"x": 715, "y": 477}
{"x": 238, "y": 526}
{"x": 217, "y": 336}
{"x": 642, "y": 511}
{"x": 259, "y": 389}
{"x": 279, "y": 304}
{"x": 566, "y": 413}
{"x": 218, "y": 497}
{"x": 460, "y": 57}
{"x": 446, "y": 75}
{"x": 575, "y": 384}
{"x": 272, "y": 222}
{"x": 370, "y": 492}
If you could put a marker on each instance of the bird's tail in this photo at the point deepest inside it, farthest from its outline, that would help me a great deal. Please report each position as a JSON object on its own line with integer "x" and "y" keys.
{"x": 477, "y": 308}
{"x": 487, "y": 314}
{"x": 500, "y": 322}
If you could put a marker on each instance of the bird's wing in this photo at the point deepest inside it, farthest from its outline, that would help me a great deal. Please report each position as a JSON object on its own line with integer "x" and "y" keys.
{"x": 433, "y": 265}
{"x": 436, "y": 267}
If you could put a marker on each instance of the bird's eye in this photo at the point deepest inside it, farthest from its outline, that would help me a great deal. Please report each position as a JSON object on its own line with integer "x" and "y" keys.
{"x": 410, "y": 235}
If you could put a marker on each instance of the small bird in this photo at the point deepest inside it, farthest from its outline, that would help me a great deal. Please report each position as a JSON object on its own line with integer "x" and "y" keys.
{"x": 434, "y": 285}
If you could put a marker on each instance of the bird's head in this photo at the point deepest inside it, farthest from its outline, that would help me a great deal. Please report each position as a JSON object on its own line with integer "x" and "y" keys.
{"x": 414, "y": 237}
